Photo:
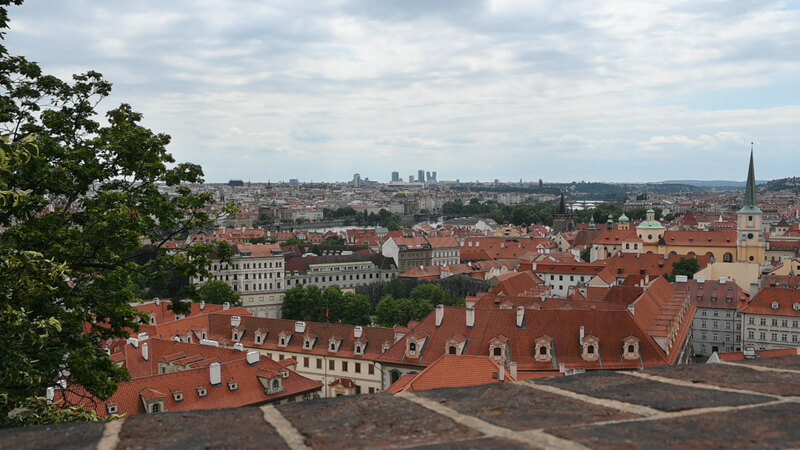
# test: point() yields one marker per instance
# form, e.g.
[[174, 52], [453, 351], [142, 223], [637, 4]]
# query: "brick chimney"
[[470, 317], [520, 316], [439, 315]]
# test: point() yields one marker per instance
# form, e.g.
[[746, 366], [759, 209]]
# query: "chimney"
[[300, 327], [238, 346], [533, 267], [145, 352], [253, 357], [520, 316], [202, 305], [701, 279], [439, 315], [647, 279], [512, 369], [236, 321], [723, 280], [176, 339], [134, 342], [143, 337], [51, 393], [226, 306], [357, 331], [215, 374], [502, 376], [683, 279], [209, 342], [582, 333], [157, 301], [470, 317]]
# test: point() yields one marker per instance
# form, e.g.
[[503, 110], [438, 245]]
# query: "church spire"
[[562, 206], [750, 190]]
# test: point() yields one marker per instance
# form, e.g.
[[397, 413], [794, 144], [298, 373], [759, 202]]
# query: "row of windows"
[[260, 287], [774, 336], [715, 337], [783, 323], [269, 265], [344, 365], [715, 324], [561, 278], [715, 313]]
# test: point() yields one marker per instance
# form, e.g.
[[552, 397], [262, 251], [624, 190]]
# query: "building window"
[[370, 369], [358, 367], [305, 361], [344, 366], [331, 365], [319, 363], [451, 350]]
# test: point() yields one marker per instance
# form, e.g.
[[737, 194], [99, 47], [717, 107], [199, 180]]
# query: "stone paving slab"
[[520, 408], [737, 377], [231, 428], [66, 436], [477, 444], [745, 428], [661, 396], [786, 362], [370, 421]]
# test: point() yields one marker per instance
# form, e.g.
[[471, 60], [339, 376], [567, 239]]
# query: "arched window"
[[543, 350], [394, 375], [631, 348], [412, 346], [452, 350], [498, 351], [590, 350], [727, 257]]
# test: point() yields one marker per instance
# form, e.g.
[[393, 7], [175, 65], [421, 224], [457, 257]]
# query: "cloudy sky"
[[560, 90]]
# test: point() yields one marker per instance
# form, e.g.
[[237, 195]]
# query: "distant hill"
[[713, 183], [781, 184]]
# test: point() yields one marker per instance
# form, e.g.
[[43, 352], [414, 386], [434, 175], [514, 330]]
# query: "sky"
[[476, 90]]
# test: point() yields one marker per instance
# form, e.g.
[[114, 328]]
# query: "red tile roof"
[[701, 238], [774, 301], [563, 327], [452, 371]]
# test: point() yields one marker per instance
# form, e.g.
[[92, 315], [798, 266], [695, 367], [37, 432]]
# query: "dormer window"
[[112, 408], [497, 348], [276, 384], [233, 386], [236, 335], [543, 352], [591, 348], [259, 337], [202, 391], [385, 347], [152, 319], [284, 338], [630, 348], [334, 343], [775, 305], [177, 396], [451, 350]]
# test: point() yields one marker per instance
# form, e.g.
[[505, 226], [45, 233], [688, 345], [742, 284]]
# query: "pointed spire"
[[750, 189], [562, 206]]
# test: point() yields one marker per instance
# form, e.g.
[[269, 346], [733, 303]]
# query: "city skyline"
[[475, 90]]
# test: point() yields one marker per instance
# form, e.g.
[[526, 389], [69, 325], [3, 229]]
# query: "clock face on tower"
[[749, 235]]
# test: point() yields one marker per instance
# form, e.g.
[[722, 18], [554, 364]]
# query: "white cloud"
[[497, 89]]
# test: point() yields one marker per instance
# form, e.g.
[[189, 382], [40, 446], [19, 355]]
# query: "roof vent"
[[226, 306], [209, 342], [238, 346], [299, 327], [253, 357], [357, 331], [236, 321]]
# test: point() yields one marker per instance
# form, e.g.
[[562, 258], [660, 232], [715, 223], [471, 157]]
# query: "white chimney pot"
[[215, 374]]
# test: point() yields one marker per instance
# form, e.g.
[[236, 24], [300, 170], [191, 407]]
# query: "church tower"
[[563, 220], [750, 245]]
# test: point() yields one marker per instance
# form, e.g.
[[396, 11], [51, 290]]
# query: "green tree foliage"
[[329, 305], [422, 299], [351, 216], [540, 213], [79, 202], [217, 292], [292, 241], [686, 266]]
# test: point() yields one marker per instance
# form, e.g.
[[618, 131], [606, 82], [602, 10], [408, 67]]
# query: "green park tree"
[[217, 292], [79, 201]]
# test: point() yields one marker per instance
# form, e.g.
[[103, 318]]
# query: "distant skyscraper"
[[433, 177], [357, 180], [395, 176], [411, 178], [421, 176]]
